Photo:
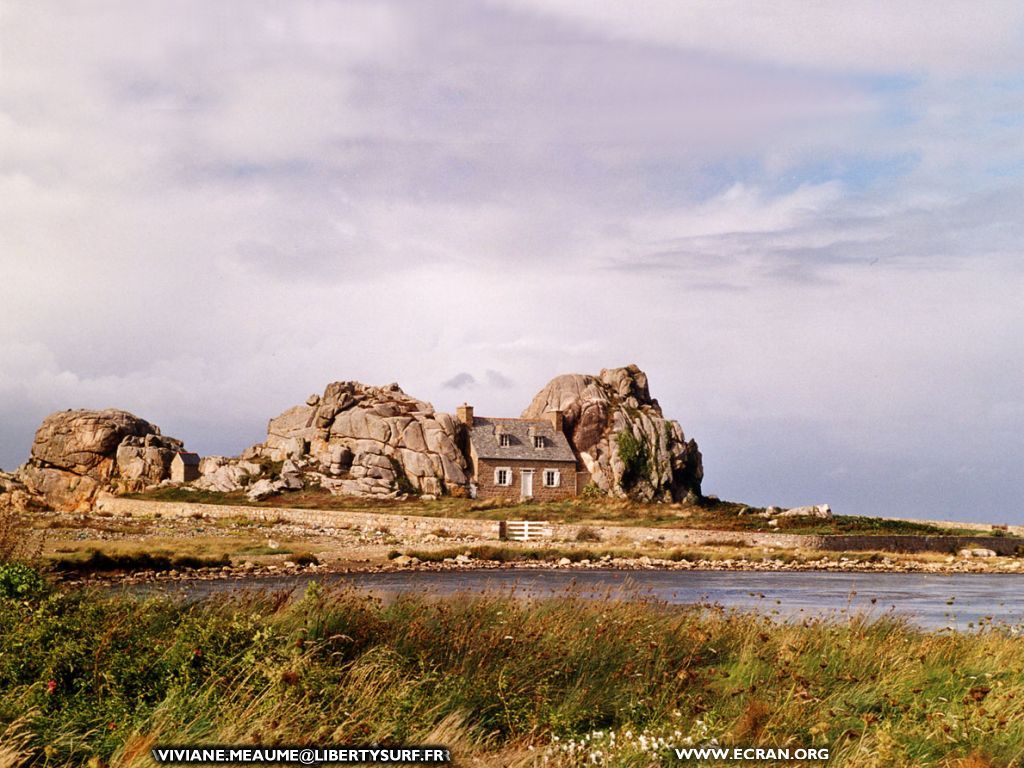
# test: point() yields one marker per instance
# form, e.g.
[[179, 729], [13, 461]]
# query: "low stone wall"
[[399, 525], [416, 525], [680, 537], [1001, 545]]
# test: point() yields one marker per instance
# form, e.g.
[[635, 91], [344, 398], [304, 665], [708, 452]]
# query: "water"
[[933, 601]]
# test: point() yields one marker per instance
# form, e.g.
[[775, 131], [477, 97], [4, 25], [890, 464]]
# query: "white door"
[[527, 488]]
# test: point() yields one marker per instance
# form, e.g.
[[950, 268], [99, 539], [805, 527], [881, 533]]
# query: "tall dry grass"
[[101, 677]]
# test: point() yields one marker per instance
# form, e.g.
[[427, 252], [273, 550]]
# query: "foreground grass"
[[97, 678], [707, 514]]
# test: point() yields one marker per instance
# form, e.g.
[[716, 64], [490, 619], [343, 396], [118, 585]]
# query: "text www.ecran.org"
[[750, 753]]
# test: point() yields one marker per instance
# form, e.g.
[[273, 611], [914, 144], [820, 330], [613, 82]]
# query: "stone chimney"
[[556, 419], [464, 413]]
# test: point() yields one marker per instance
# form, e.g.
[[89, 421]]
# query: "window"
[[538, 441], [505, 440], [503, 476], [552, 478]]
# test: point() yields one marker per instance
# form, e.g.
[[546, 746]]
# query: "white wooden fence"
[[524, 530]]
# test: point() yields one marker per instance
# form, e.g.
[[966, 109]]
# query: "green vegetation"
[[96, 561], [591, 507], [402, 482], [187, 494], [90, 677], [633, 453], [19, 581], [304, 558], [270, 469]]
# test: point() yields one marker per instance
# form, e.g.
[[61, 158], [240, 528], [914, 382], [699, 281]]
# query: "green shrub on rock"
[[634, 456]]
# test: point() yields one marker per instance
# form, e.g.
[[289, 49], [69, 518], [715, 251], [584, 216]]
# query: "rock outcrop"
[[14, 495], [217, 473], [617, 429], [368, 441], [820, 511], [77, 454]]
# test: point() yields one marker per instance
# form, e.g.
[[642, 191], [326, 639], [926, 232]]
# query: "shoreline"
[[261, 573], [159, 542]]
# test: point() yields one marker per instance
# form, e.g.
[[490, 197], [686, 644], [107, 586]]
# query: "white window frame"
[[504, 440], [508, 476], [558, 478], [539, 441]]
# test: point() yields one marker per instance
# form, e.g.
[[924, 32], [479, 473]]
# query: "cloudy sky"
[[803, 220]]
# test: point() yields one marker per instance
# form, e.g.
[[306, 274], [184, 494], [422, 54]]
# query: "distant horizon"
[[232, 447], [801, 221]]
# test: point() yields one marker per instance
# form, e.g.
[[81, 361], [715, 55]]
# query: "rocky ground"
[[244, 549]]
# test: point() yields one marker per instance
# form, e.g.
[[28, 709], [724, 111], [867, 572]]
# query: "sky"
[[802, 220]]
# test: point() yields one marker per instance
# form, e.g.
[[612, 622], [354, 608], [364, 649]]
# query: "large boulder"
[[14, 495], [369, 441], [820, 511], [619, 433], [218, 473], [77, 454]]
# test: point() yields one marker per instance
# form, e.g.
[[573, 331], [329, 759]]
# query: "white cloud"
[[210, 211], [913, 36]]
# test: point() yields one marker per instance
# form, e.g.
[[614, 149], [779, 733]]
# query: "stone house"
[[518, 458], [184, 467]]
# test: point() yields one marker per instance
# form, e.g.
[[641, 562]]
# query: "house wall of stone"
[[486, 488], [184, 473]]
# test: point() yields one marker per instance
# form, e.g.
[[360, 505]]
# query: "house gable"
[[502, 451]]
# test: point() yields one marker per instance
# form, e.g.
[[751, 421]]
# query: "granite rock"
[[78, 454], [369, 441], [621, 436]]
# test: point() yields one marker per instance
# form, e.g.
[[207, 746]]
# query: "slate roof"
[[189, 459], [484, 437]]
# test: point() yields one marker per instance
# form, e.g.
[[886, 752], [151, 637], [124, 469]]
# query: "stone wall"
[[399, 525], [412, 525], [487, 489], [1002, 545], [418, 525]]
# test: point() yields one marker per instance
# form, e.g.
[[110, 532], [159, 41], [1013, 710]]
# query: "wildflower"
[[51, 686]]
